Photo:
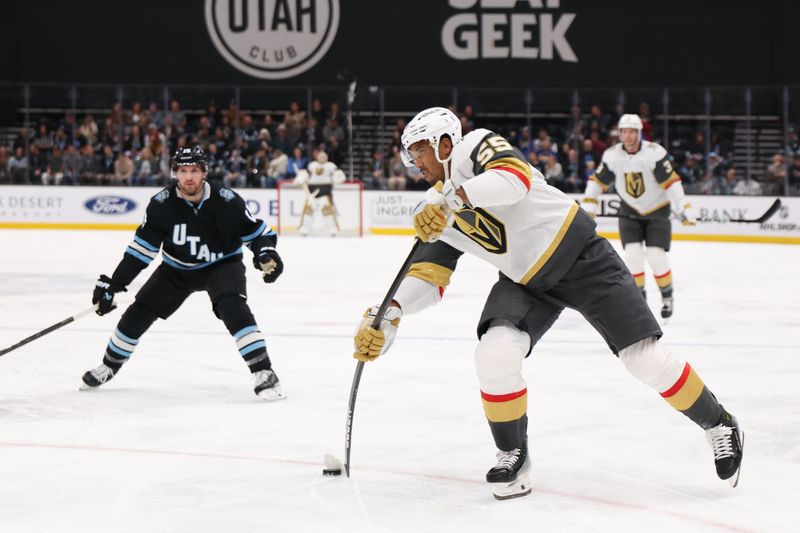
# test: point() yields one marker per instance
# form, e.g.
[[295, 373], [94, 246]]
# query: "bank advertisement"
[[383, 212]]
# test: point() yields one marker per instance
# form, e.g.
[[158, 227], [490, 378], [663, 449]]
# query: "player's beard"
[[195, 189], [431, 178]]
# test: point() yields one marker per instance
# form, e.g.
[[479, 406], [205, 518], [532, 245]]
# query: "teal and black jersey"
[[193, 236]]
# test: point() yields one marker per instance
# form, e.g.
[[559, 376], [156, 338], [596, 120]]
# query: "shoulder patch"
[[227, 194], [162, 196]]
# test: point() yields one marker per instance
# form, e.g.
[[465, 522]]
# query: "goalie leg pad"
[[327, 207], [307, 218], [233, 310], [498, 364], [329, 212]]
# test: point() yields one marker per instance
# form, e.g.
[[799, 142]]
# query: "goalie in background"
[[318, 182]]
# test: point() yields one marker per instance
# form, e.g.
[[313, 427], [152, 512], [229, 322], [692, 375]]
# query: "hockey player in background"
[[200, 229], [318, 181], [489, 202], [648, 186]]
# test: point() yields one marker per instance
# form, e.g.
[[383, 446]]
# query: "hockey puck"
[[332, 466]]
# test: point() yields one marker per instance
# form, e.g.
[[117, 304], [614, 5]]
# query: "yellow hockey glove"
[[687, 216], [429, 223], [369, 342], [430, 218]]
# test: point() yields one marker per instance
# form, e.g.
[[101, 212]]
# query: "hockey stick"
[[776, 205], [376, 323], [52, 328]]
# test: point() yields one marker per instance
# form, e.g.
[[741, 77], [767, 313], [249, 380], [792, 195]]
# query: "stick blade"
[[776, 205]]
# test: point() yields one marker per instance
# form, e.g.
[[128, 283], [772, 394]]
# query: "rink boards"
[[384, 212]]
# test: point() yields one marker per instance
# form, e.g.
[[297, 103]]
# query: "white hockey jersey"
[[322, 174], [528, 230], [641, 179]]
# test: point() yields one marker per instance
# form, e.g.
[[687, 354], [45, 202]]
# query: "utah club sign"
[[272, 39]]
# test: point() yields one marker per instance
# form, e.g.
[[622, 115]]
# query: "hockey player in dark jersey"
[[200, 230], [489, 202]]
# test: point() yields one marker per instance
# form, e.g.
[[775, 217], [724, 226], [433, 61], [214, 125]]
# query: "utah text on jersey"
[[193, 236]]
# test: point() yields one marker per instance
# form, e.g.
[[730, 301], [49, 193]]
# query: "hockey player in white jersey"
[[489, 202], [319, 180], [648, 186]]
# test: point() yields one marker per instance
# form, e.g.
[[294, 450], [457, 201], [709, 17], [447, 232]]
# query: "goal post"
[[348, 204]]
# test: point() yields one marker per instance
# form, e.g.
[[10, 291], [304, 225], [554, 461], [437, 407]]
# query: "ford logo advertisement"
[[109, 205]]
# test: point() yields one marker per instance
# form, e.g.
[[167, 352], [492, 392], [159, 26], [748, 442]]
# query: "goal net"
[[347, 201]]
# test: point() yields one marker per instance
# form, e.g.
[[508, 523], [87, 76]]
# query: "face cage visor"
[[174, 170], [409, 155]]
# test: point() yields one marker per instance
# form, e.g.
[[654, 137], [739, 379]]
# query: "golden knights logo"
[[483, 228], [634, 184], [272, 39]]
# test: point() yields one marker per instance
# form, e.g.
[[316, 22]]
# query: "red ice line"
[[592, 499]]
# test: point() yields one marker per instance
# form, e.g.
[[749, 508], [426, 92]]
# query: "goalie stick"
[[776, 205], [52, 328], [376, 323]]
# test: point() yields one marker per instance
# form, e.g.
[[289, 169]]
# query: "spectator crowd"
[[132, 147]]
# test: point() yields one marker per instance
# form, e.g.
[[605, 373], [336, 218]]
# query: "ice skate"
[[666, 309], [268, 386], [96, 377], [509, 478], [727, 442]]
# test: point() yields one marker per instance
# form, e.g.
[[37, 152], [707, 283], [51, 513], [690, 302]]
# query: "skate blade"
[[733, 481], [516, 489], [273, 394]]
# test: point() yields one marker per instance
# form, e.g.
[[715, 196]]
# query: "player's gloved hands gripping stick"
[[687, 215], [371, 342], [432, 214], [269, 263], [103, 295]]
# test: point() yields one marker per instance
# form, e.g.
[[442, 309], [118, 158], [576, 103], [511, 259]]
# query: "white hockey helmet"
[[430, 125], [630, 120]]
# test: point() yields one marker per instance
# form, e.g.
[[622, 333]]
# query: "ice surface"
[[178, 441]]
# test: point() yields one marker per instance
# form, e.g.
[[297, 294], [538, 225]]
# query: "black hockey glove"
[[269, 262], [103, 295]]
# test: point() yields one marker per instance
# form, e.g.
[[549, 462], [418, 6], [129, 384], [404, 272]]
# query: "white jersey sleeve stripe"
[[494, 187]]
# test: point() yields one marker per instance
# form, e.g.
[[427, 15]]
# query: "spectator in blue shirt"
[[298, 161]]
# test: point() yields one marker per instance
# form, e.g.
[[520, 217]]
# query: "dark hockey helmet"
[[189, 157]]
